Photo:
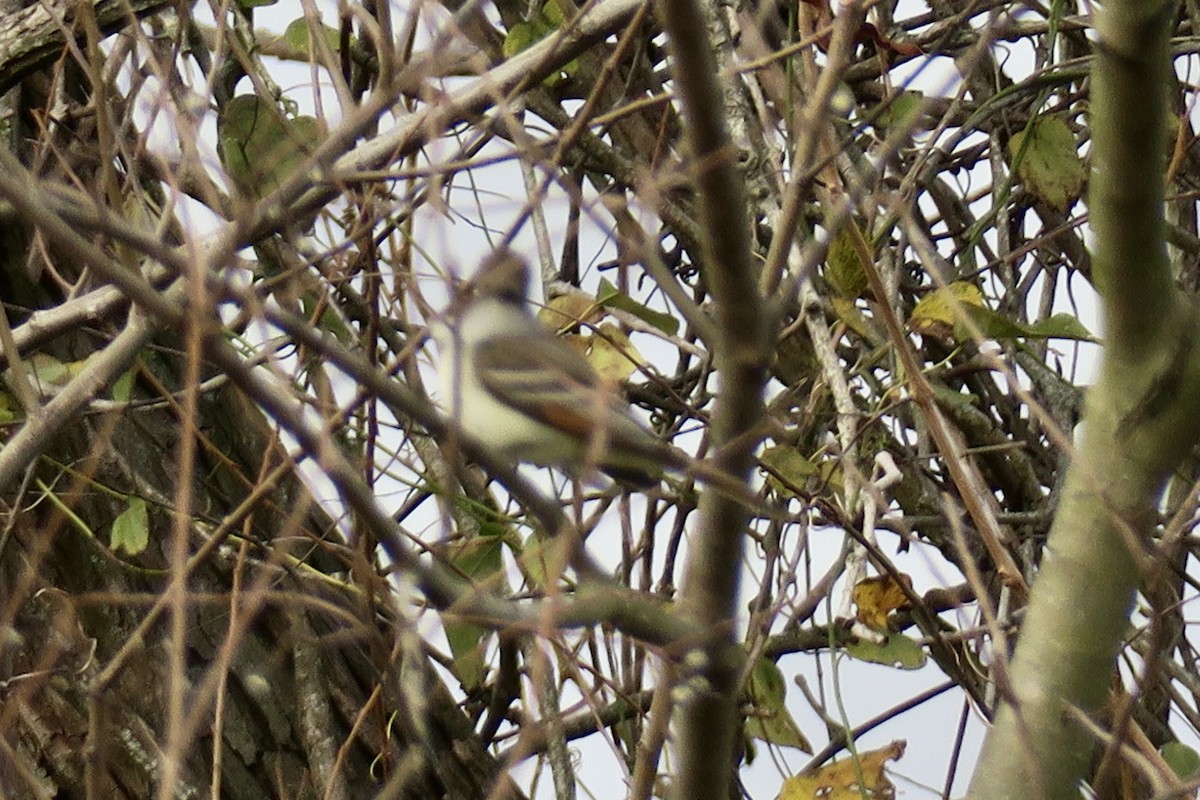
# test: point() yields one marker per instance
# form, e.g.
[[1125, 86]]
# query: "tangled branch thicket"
[[243, 555]]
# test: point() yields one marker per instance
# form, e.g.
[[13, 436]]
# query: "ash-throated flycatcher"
[[524, 392]]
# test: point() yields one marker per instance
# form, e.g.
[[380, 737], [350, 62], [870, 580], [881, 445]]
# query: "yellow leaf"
[[879, 596], [579, 342], [936, 313], [612, 355], [563, 314], [849, 779]]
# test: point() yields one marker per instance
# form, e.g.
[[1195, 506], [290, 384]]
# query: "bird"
[[518, 389]]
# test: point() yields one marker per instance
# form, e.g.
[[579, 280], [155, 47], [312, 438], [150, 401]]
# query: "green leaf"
[[769, 719], [10, 409], [796, 469], [611, 297], [1183, 760], [625, 729], [795, 359], [1059, 326], [539, 562], [478, 558], [843, 268], [954, 400], [47, 373], [330, 321], [260, 147], [1047, 160], [902, 111], [131, 528], [896, 651], [122, 390], [553, 14], [468, 644], [848, 313], [298, 36], [994, 325], [523, 35]]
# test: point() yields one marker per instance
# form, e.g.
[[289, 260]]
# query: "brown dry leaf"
[[849, 779], [879, 596], [866, 33]]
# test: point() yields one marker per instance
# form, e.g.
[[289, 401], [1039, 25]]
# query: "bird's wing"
[[544, 378]]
